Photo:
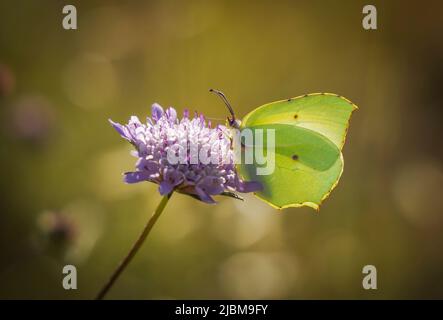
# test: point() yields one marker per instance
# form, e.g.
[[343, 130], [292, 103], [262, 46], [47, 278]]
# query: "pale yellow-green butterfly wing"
[[310, 131]]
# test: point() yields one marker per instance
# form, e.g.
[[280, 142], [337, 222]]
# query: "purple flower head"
[[187, 155]]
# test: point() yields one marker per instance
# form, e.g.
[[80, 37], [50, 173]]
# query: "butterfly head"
[[234, 123]]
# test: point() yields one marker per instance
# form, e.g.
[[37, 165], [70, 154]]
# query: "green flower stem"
[[161, 206]]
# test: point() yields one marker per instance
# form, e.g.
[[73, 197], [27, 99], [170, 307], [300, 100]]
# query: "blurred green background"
[[63, 200]]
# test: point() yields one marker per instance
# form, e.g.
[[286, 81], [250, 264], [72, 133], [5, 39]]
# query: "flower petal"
[[157, 111], [165, 188], [134, 177], [174, 177], [249, 186], [211, 185], [122, 130], [171, 114], [148, 166], [204, 196]]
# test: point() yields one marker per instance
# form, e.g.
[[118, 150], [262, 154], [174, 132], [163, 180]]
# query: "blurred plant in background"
[[69, 234], [31, 120], [57, 87], [7, 81]]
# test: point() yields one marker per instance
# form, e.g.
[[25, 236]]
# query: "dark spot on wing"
[[294, 157], [295, 116]]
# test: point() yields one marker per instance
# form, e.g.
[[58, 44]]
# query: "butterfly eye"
[[294, 157], [295, 116]]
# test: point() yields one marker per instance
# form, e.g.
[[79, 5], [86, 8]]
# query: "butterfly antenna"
[[225, 100]]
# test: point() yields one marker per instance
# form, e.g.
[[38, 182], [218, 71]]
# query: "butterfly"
[[309, 133]]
